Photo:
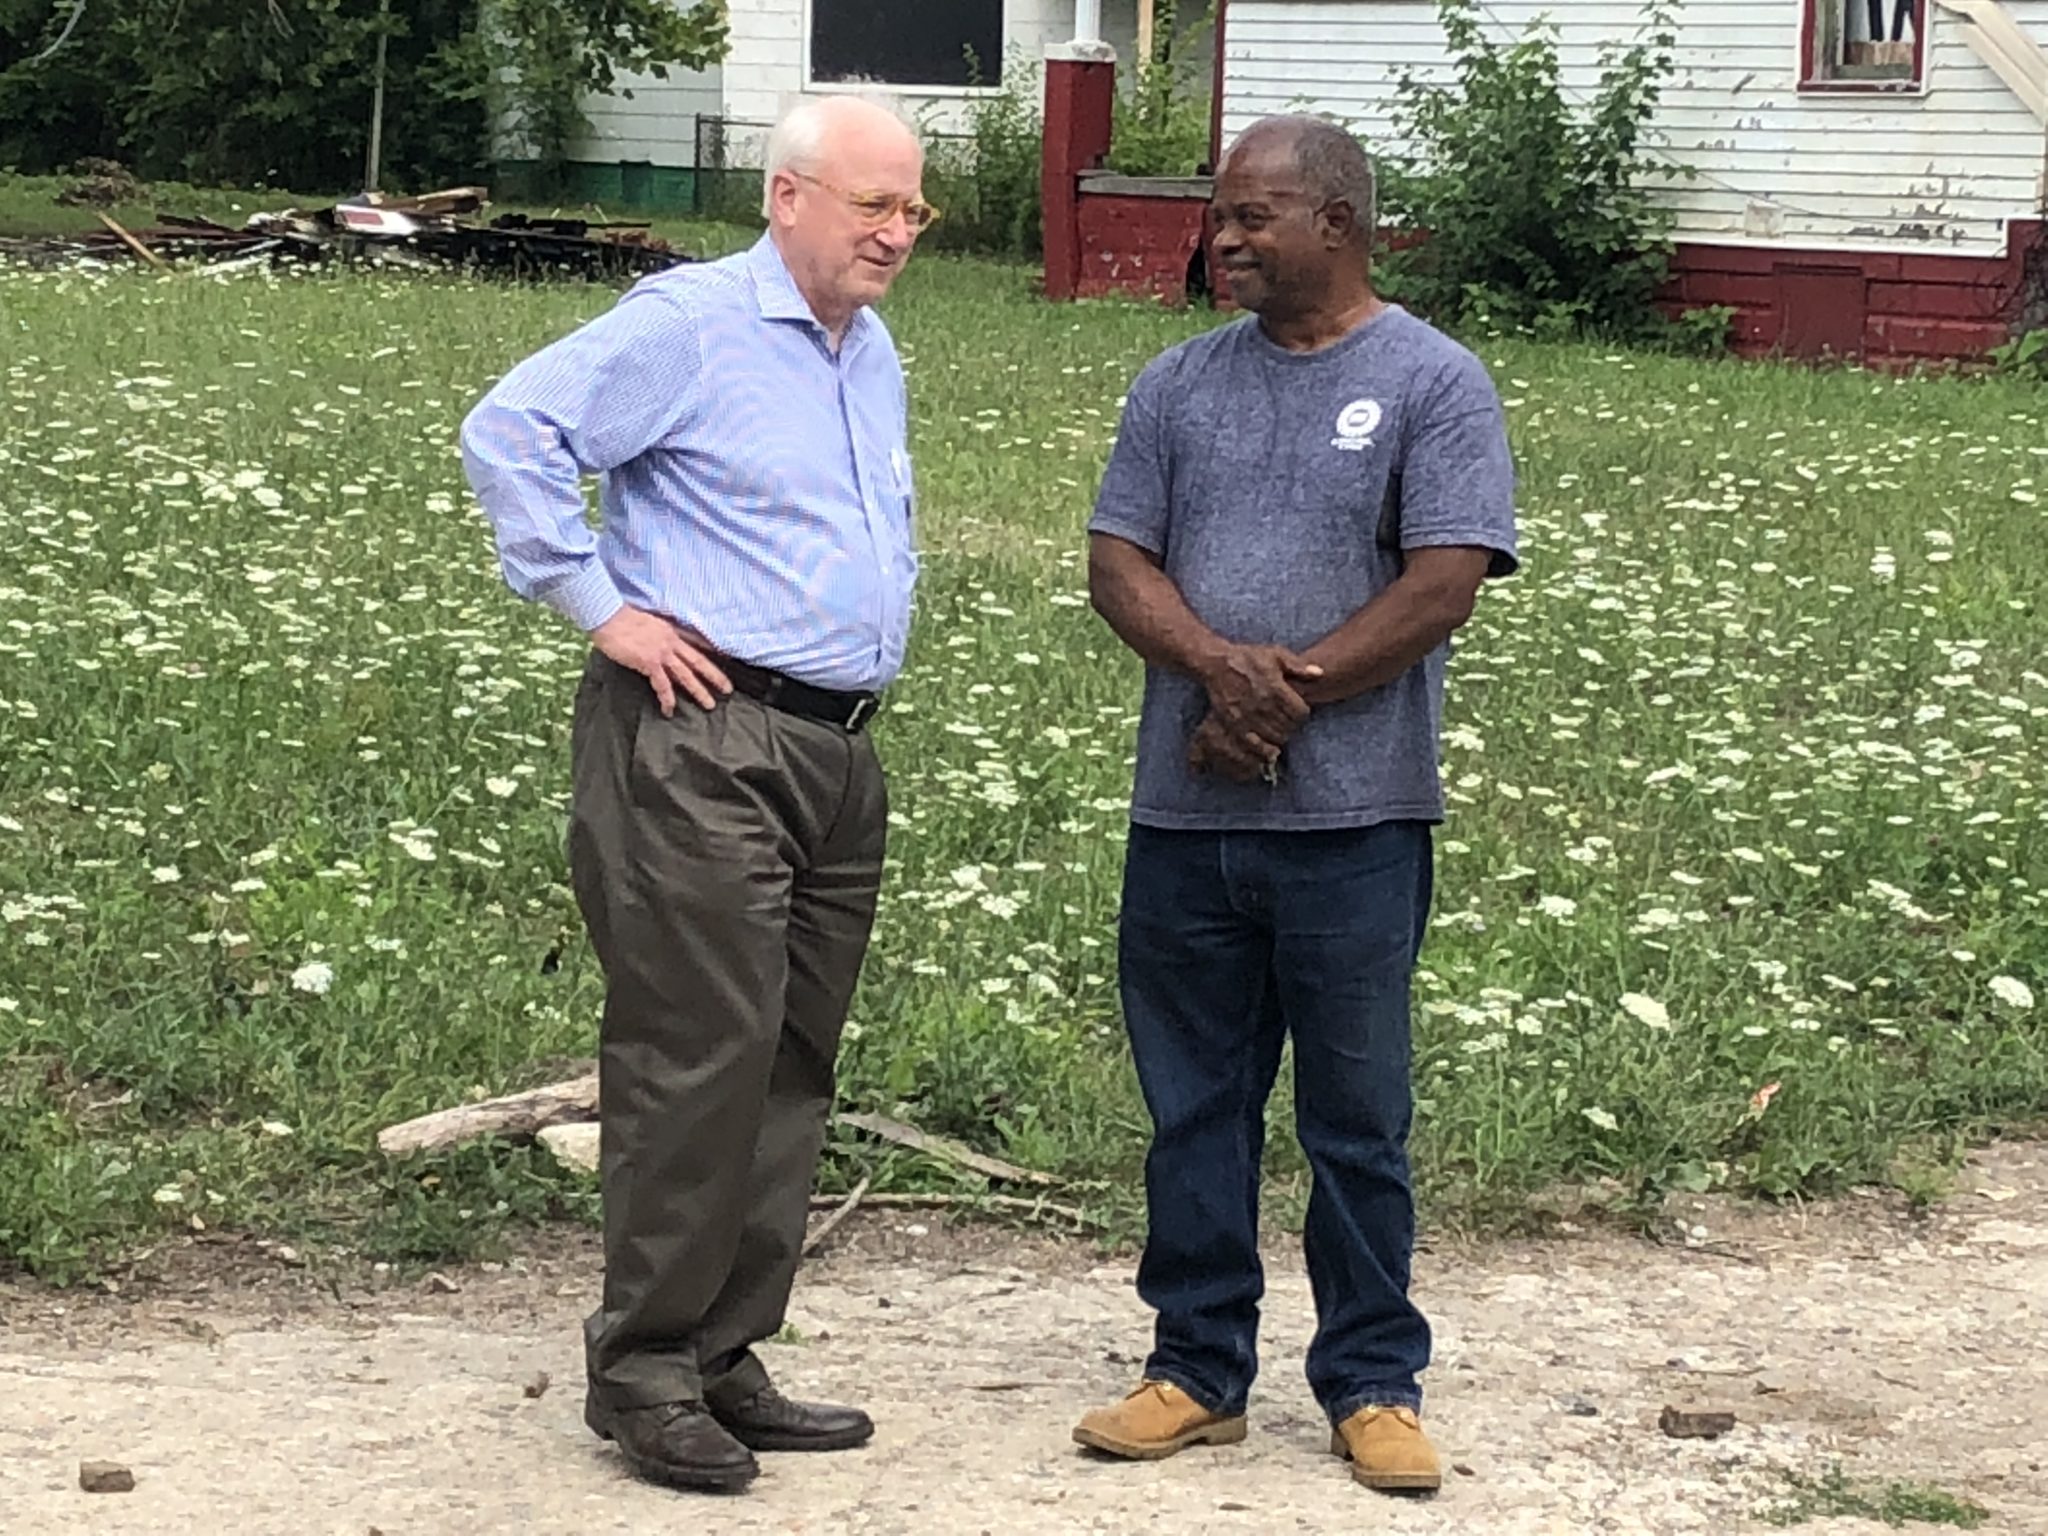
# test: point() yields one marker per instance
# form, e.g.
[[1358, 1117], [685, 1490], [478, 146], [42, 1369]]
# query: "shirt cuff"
[[588, 599]]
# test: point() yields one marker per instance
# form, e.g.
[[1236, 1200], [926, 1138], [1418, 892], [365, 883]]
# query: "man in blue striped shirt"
[[747, 595]]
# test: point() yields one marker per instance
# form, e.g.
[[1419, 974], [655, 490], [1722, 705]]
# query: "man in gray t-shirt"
[[1299, 511]]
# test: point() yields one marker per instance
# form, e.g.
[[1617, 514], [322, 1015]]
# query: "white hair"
[[798, 141]]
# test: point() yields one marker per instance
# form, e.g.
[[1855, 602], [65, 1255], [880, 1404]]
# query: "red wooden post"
[[1080, 93]]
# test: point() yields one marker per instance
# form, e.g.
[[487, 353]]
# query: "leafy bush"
[[2024, 357], [987, 182], [1162, 112], [1534, 211]]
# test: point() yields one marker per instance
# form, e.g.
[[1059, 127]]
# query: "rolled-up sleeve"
[[596, 399]]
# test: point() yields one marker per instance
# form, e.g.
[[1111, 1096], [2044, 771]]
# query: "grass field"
[[1747, 773]]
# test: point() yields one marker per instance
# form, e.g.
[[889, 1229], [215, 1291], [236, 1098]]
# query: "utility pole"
[[376, 154]]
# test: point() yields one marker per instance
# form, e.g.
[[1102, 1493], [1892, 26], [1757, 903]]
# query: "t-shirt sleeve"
[[1132, 503], [1458, 476]]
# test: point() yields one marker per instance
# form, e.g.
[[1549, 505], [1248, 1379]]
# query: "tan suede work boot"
[[1154, 1422], [1388, 1451]]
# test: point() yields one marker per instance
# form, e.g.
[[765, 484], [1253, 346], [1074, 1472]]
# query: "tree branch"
[[77, 11]]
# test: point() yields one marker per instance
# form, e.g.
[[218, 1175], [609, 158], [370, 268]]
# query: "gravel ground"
[[244, 1393]]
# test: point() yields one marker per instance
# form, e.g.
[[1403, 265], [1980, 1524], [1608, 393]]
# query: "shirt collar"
[[780, 298]]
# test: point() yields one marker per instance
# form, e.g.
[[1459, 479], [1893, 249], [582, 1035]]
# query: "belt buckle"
[[863, 711]]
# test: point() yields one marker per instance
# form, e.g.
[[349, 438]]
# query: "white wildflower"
[[2012, 992], [315, 976], [1645, 1010]]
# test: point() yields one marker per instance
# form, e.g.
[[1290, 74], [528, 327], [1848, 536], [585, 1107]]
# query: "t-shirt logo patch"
[[1356, 424]]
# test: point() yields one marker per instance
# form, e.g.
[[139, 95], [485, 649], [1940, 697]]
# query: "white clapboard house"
[[649, 137], [1871, 174]]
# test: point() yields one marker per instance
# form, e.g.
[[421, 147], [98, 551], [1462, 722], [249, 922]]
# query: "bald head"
[[1331, 166], [843, 194], [821, 128]]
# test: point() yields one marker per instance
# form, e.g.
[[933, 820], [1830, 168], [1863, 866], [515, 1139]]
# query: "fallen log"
[[519, 1115], [575, 1145]]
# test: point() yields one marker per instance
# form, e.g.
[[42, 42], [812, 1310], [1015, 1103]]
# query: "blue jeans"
[[1228, 943]]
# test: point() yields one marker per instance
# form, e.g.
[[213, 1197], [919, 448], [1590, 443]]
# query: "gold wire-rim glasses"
[[878, 208]]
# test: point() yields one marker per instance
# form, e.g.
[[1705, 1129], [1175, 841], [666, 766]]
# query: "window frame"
[[816, 87], [1813, 81]]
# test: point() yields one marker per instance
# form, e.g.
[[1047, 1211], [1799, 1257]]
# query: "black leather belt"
[[849, 712]]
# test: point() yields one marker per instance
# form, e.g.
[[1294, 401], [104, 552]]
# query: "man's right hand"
[[1251, 690], [1212, 749], [664, 655]]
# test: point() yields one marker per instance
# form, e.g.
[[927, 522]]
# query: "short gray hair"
[[797, 142], [1334, 166]]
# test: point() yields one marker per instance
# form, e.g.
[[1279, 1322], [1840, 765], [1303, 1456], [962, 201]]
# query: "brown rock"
[[1690, 1424], [538, 1385], [105, 1477]]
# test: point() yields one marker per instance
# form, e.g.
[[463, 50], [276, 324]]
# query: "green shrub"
[[1535, 210], [1162, 109]]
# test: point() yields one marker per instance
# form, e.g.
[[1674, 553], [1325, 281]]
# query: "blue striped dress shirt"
[[755, 486]]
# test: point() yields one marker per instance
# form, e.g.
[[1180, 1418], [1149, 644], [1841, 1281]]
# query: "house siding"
[[1945, 169]]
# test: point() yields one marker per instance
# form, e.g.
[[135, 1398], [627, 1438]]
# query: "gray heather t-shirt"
[[1261, 479]]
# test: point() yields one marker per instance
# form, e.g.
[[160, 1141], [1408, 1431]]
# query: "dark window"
[[907, 42]]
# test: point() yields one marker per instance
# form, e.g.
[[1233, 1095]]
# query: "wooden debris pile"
[[440, 231]]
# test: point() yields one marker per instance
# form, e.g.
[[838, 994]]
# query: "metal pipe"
[[1087, 21]]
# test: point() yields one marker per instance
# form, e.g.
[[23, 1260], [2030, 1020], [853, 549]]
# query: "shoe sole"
[[844, 1440], [1222, 1432], [1386, 1482], [671, 1476]]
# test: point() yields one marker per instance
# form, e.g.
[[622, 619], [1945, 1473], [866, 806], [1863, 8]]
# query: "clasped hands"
[[1254, 708]]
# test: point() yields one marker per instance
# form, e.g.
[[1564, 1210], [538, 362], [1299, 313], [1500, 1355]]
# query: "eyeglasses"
[[877, 208]]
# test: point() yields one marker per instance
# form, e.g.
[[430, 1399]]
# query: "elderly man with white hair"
[[747, 598]]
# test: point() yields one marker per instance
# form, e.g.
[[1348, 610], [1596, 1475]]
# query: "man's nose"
[[896, 235]]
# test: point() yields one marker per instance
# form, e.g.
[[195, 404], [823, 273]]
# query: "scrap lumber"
[[130, 241], [1014, 1204], [939, 1146]]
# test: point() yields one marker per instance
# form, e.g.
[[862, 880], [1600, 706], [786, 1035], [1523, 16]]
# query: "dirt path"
[[248, 1401]]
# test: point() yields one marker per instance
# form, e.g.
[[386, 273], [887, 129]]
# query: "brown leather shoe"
[[1388, 1451], [1155, 1421], [676, 1444], [768, 1421]]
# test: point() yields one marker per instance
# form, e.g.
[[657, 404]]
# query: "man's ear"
[[782, 197], [1336, 223]]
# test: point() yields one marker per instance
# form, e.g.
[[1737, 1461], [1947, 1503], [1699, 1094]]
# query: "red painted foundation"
[[1138, 244], [1883, 308]]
